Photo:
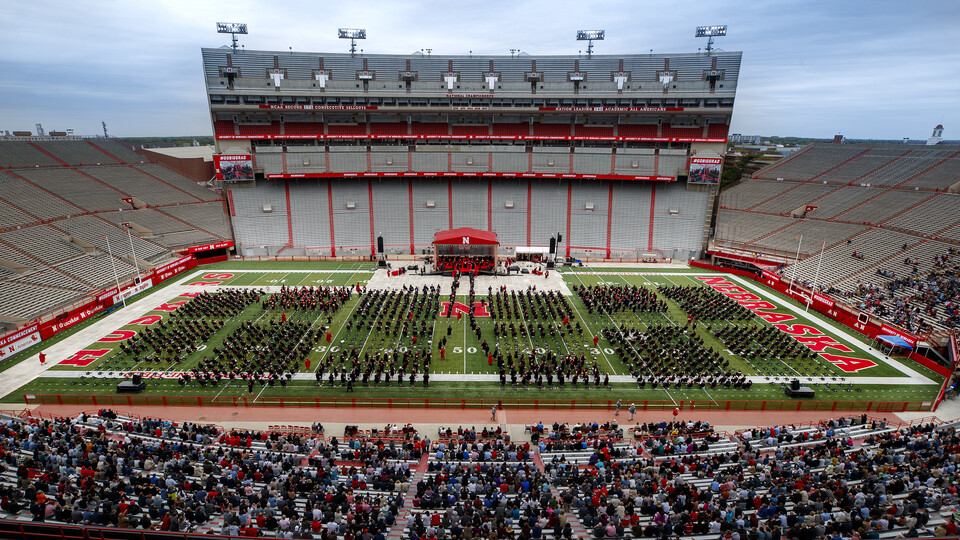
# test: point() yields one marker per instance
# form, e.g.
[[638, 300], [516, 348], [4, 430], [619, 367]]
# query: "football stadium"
[[477, 296]]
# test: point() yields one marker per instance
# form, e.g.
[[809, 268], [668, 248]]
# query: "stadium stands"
[[74, 152], [16, 154], [585, 480], [51, 244], [904, 194]]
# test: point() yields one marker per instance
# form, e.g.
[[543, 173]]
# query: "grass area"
[[463, 351]]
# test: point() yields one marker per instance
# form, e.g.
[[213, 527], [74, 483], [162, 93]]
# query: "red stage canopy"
[[466, 236]]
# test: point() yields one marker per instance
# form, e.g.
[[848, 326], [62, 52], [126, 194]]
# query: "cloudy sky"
[[868, 69]]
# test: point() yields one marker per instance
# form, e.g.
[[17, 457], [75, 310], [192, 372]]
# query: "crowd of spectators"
[[913, 300], [774, 483]]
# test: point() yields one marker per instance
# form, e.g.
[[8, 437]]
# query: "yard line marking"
[[602, 352]]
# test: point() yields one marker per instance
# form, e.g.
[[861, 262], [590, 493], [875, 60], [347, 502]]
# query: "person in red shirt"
[[43, 358]]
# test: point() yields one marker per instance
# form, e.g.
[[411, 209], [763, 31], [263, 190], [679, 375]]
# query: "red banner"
[[611, 109], [16, 336], [208, 247], [169, 270], [471, 175], [823, 299], [478, 138], [70, 319], [321, 107], [107, 294]]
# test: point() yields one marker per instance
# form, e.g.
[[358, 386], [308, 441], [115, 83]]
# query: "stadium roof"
[[466, 235]]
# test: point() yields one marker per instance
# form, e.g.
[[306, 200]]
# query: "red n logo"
[[479, 309], [84, 357]]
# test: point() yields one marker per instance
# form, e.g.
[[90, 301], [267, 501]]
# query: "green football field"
[[465, 371]]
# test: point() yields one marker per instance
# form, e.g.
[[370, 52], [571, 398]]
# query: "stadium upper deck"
[[282, 95]]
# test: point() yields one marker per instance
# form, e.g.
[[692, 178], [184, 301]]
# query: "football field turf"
[[466, 371]]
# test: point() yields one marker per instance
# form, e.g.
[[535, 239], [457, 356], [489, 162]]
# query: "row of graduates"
[[222, 304], [619, 298], [169, 341], [514, 330], [668, 355], [529, 305], [274, 349], [394, 311], [348, 368], [326, 299], [704, 303], [761, 342]]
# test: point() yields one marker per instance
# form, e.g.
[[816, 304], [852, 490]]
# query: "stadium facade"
[[324, 152]]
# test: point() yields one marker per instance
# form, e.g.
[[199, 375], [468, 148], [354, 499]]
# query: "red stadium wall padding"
[[211, 260]]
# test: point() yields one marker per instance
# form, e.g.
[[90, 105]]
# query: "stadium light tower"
[[353, 34], [233, 29], [589, 36], [711, 32]]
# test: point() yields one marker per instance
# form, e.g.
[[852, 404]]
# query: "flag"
[[810, 208]]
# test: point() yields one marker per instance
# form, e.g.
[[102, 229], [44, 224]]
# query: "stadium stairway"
[[775, 231], [190, 225], [904, 211], [928, 169], [171, 186], [783, 162], [44, 266], [864, 203], [101, 182], [51, 156], [399, 526], [881, 167], [48, 192], [118, 160], [830, 170], [775, 197], [579, 531]]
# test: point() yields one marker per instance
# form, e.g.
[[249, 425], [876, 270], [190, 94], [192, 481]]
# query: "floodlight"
[[590, 36], [711, 32], [716, 31], [353, 34], [233, 29], [585, 35]]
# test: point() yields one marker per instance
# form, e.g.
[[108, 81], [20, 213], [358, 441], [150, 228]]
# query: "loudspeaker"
[[553, 245], [559, 238], [795, 384], [380, 244], [137, 379]]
